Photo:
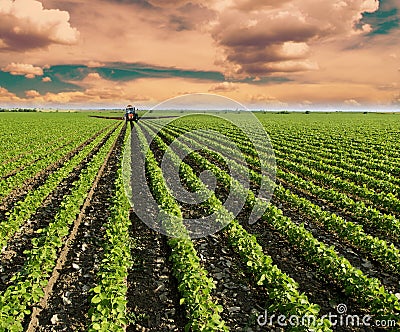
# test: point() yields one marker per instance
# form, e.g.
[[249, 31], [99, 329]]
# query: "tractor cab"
[[131, 114]]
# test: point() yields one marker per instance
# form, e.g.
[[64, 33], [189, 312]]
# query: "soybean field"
[[323, 254]]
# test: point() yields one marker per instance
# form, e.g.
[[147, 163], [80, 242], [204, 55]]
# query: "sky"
[[265, 54]]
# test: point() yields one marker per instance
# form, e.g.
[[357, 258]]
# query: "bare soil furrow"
[[153, 297]]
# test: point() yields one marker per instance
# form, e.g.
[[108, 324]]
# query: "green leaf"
[[97, 289], [96, 299], [96, 326]]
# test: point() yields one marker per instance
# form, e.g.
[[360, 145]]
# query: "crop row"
[[27, 287], [379, 166], [17, 180], [346, 167], [352, 144], [375, 161], [18, 141], [29, 158], [108, 311], [344, 157], [316, 156], [356, 177], [366, 215], [385, 199], [387, 255]]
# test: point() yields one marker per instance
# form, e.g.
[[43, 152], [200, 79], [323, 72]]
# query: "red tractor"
[[131, 114]]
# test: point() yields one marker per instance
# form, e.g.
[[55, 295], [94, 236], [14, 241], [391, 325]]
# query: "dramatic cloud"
[[28, 70], [178, 15], [275, 38], [161, 3], [25, 24], [262, 52]]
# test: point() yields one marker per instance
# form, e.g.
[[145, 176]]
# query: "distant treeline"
[[18, 110]]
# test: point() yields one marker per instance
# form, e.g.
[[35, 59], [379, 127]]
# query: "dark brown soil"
[[153, 299]]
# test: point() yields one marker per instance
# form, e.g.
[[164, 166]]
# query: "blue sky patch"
[[65, 78], [18, 84], [385, 19]]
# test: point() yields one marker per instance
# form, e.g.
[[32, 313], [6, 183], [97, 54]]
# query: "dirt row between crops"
[[357, 258], [153, 299], [13, 258], [241, 299], [353, 196]]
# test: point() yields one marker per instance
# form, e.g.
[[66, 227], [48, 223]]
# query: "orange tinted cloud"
[[224, 87], [28, 70], [249, 5], [264, 37], [289, 51], [7, 96], [25, 24], [32, 93]]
